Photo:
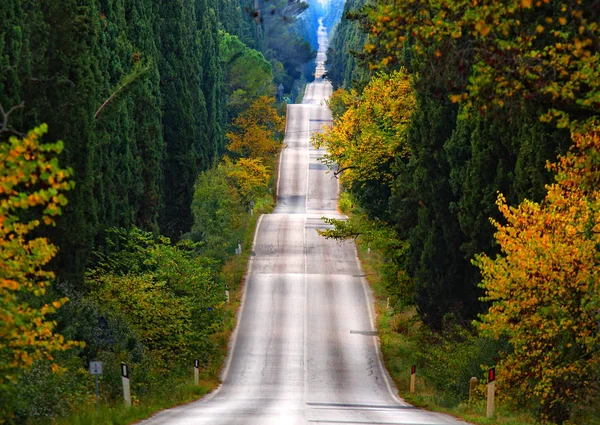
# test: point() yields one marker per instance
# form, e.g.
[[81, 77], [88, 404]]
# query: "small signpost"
[[196, 372], [491, 390], [126, 385], [96, 370], [413, 377], [472, 386]]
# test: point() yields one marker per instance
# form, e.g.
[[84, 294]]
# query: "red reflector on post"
[[413, 369], [492, 374]]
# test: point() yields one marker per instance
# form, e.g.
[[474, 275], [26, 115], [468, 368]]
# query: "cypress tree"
[[348, 39], [12, 42], [64, 89], [231, 17], [185, 116], [434, 261], [212, 79], [145, 103]]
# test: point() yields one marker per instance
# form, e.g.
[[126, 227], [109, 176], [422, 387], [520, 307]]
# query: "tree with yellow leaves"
[[371, 132], [249, 176], [544, 289], [32, 187], [254, 132], [499, 53]]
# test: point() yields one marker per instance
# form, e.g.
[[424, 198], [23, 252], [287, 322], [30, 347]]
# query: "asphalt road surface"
[[304, 350]]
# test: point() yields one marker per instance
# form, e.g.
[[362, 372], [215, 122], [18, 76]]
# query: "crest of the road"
[[304, 350]]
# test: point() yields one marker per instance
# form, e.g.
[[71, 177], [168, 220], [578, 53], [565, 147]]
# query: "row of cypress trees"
[[136, 91], [346, 44], [444, 193]]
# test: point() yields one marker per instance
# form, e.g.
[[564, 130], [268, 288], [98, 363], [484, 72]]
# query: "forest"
[[135, 122], [466, 136]]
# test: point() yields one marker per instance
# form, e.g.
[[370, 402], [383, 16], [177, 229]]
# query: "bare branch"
[[138, 71], [341, 170], [5, 116], [107, 101]]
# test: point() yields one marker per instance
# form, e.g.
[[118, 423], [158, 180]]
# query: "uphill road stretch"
[[305, 350]]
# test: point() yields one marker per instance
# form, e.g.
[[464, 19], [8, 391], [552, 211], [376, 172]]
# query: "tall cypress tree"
[[434, 260], [231, 15], [184, 113], [145, 104], [348, 38], [13, 41], [212, 77], [63, 89]]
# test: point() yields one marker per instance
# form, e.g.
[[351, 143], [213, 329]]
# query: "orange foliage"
[[30, 178], [544, 289], [254, 131]]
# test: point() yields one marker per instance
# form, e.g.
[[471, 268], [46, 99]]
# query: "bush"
[[345, 203], [451, 358]]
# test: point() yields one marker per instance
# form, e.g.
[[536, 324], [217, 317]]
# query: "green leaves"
[[371, 131], [248, 74], [162, 292]]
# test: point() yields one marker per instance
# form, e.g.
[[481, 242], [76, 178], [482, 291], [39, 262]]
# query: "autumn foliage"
[[544, 289], [249, 176], [372, 130], [224, 194], [496, 53], [32, 187], [254, 131]]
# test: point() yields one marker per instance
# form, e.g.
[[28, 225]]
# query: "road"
[[304, 350]]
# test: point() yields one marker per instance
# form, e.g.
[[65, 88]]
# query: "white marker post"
[[413, 378], [196, 372], [472, 386], [227, 293], [96, 370], [491, 392], [239, 246], [126, 386]]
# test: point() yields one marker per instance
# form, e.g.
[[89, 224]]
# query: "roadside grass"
[[398, 330], [182, 393]]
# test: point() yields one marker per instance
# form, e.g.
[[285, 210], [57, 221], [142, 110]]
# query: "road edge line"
[[234, 336], [368, 299], [283, 147]]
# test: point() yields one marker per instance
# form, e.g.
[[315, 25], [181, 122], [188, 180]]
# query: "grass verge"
[[397, 332]]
